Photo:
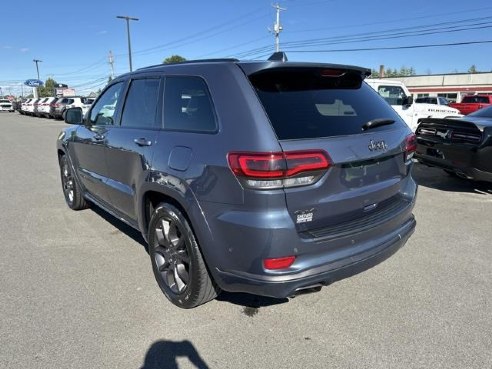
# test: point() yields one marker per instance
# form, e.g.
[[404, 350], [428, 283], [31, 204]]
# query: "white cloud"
[[24, 50], [7, 47], [103, 32]]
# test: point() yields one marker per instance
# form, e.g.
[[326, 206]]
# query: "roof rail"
[[196, 61]]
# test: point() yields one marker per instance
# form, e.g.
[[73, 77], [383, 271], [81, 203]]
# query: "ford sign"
[[33, 83]]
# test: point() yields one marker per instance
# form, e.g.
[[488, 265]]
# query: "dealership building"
[[451, 86]]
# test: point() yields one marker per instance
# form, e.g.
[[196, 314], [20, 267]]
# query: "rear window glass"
[[483, 113], [311, 103], [476, 99]]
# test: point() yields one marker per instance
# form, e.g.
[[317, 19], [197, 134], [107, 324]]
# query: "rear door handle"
[[142, 141]]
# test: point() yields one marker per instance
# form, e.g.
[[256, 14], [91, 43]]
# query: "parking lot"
[[77, 290]]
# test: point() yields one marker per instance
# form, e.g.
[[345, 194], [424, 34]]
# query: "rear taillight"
[[466, 137], [410, 146], [280, 169], [278, 263]]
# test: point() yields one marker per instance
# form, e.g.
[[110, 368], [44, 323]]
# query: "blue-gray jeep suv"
[[266, 177]]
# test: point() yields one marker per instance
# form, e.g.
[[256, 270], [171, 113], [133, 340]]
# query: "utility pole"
[[277, 28], [128, 19], [111, 62], [36, 89], [37, 68]]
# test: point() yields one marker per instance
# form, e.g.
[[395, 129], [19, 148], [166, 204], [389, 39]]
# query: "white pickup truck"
[[398, 96]]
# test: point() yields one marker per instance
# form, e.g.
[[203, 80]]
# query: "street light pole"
[[128, 19], [37, 68]]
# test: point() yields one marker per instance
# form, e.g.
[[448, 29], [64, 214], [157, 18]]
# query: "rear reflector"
[[410, 146], [278, 263], [279, 169]]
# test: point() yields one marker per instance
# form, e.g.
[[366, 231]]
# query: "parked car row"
[[54, 107]]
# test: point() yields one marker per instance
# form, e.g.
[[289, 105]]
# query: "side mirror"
[[73, 116], [407, 101]]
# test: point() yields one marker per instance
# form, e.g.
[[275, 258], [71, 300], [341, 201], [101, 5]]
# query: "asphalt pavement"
[[77, 290]]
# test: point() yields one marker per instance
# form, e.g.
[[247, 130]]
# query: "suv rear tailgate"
[[327, 109]]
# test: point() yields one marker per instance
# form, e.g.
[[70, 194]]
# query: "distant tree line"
[[405, 72], [389, 72]]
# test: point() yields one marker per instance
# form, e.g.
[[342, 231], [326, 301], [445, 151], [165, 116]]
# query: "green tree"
[[48, 89], [472, 69], [174, 59], [389, 72]]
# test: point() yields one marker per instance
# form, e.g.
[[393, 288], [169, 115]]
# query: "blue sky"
[[73, 39]]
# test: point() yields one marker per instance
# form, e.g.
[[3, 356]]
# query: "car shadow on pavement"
[[250, 303], [121, 226], [438, 179], [164, 355], [248, 300]]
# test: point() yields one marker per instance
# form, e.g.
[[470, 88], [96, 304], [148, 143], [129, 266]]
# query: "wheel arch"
[[153, 194]]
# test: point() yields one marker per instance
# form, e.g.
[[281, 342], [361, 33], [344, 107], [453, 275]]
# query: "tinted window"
[[187, 105], [308, 104], [141, 103], [103, 111]]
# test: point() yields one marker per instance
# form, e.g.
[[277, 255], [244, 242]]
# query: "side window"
[[188, 106], [103, 111], [394, 95], [141, 104]]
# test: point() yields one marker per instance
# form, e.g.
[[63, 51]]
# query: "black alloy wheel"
[[177, 262], [71, 189]]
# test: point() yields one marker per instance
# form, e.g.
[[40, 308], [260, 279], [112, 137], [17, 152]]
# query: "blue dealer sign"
[[33, 83]]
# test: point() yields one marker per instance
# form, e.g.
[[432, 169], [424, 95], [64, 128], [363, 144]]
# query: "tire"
[[176, 259], [71, 189]]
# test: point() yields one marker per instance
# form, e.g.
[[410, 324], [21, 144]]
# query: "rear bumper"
[[285, 285]]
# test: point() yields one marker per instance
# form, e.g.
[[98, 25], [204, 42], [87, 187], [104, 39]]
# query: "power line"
[[389, 34], [205, 34], [399, 21], [393, 47], [101, 61], [232, 47], [375, 36]]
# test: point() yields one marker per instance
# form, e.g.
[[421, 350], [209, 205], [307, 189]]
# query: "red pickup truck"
[[471, 103]]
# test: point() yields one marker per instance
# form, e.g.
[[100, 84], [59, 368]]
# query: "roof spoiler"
[[278, 56]]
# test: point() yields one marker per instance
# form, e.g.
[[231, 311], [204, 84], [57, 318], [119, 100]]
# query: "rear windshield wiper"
[[377, 123]]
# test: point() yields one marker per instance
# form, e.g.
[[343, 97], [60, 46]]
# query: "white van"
[[398, 96]]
